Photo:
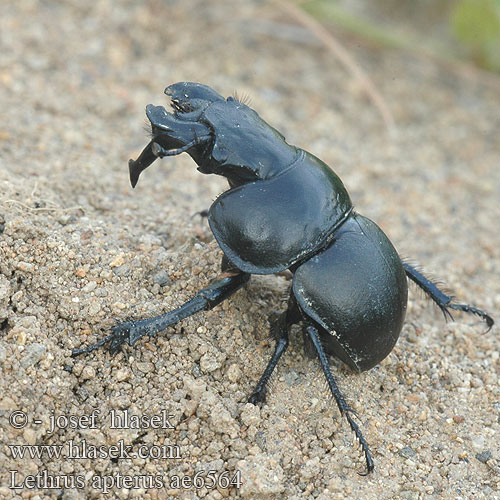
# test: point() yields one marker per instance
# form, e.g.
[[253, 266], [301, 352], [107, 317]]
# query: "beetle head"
[[223, 136], [190, 99], [177, 132]]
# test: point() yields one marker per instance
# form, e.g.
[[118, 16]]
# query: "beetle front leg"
[[344, 408], [443, 301], [132, 331]]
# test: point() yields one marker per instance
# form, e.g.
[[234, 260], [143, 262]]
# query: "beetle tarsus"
[[132, 331], [93, 347], [444, 301], [258, 396], [339, 399], [364, 445], [279, 330], [474, 310]]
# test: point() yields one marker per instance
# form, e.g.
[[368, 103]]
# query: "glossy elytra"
[[285, 209]]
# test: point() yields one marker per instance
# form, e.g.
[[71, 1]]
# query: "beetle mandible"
[[285, 209]]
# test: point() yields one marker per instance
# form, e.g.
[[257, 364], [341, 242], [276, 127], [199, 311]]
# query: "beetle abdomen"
[[266, 226], [357, 291]]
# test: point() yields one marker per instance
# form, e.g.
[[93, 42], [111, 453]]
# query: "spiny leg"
[[279, 330], [344, 408], [444, 301], [208, 298]]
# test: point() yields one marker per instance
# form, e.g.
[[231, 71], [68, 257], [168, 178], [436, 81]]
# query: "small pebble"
[[33, 354]]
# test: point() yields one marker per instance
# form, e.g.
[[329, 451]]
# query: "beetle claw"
[[258, 397], [474, 310]]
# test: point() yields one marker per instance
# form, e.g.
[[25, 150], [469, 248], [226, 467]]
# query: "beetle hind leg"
[[205, 299], [344, 408], [443, 301]]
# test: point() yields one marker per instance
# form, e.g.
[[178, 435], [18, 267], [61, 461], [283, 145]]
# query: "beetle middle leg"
[[205, 299], [443, 301], [279, 330], [344, 408]]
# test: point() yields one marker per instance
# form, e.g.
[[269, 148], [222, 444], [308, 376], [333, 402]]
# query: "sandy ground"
[[80, 250]]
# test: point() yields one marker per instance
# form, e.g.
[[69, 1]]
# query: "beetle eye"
[[230, 98]]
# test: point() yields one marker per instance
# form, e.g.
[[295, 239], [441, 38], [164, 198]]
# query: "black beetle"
[[286, 209]]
